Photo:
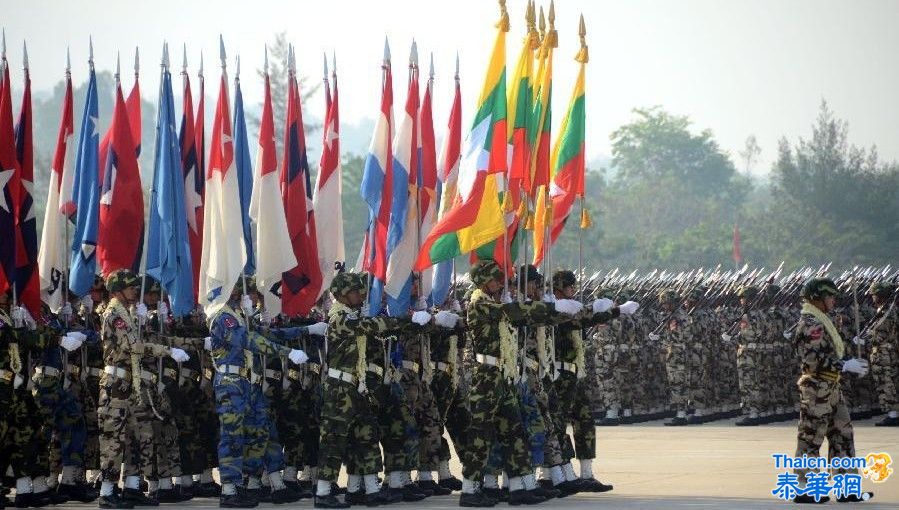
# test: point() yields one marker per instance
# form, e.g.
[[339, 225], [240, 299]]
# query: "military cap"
[[344, 283], [668, 296], [564, 278], [817, 288], [484, 271], [772, 289], [748, 291], [151, 284], [882, 289], [529, 273], [120, 279]]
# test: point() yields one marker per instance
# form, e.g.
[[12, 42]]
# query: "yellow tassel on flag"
[[586, 221]]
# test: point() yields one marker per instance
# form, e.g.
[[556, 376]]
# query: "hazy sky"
[[736, 67]]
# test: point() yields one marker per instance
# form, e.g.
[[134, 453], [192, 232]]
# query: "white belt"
[[531, 364], [146, 375], [48, 371], [410, 365], [93, 371], [114, 371], [486, 359], [375, 369], [751, 345], [341, 375], [272, 373], [442, 366], [568, 367]]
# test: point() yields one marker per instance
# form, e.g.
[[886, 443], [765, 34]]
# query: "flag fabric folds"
[[9, 177], [428, 190], [168, 247], [193, 159], [244, 167], [27, 280]]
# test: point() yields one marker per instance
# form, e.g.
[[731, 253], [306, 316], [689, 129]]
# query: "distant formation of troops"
[[112, 399]]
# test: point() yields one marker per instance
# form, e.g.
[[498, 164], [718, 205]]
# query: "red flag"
[[738, 256], [9, 186], [195, 186], [300, 285], [121, 227], [27, 284]]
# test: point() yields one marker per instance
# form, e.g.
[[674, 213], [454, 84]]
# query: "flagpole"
[[65, 274], [581, 57], [385, 65]]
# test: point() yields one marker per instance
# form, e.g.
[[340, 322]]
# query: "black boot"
[[852, 498], [329, 501], [208, 490], [411, 493], [888, 422], [77, 492], [284, 495], [524, 497], [806, 499], [114, 501], [426, 491], [184, 493], [355, 498], [607, 422], [747, 422], [568, 488], [497, 493], [476, 499], [336, 489], [593, 485], [452, 483], [677, 421], [32, 500], [138, 498], [546, 493], [433, 487], [166, 496], [240, 499]]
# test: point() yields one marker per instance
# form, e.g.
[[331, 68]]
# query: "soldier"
[[750, 359], [823, 411], [242, 413], [120, 384], [884, 335], [676, 336]]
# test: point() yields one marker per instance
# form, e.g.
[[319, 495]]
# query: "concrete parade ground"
[[710, 466]]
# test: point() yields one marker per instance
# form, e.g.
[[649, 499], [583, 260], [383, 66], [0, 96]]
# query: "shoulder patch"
[[119, 323], [230, 322]]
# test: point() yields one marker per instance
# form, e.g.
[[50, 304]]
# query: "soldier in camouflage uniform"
[[676, 337], [120, 398], [698, 358], [823, 412], [242, 412], [885, 352], [753, 330]]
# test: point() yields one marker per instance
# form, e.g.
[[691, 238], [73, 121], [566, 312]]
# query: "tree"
[[750, 153]]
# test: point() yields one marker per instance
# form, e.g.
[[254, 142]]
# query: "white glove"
[[66, 311], [141, 311], [507, 298], [456, 306], [788, 334], [87, 304], [654, 337], [179, 355], [246, 304], [602, 305], [856, 366], [163, 310], [857, 340], [725, 337], [77, 335], [69, 343], [319, 328], [421, 303], [568, 306], [549, 298], [207, 343], [17, 381], [446, 319], [421, 317], [297, 357], [29, 320], [629, 307], [17, 314], [265, 318]]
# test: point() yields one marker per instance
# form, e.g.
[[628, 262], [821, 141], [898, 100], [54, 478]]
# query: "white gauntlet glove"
[[549, 298], [629, 307], [857, 340], [568, 306], [725, 337], [602, 305], [179, 355], [163, 310], [654, 337], [297, 357], [856, 366], [446, 319], [66, 312], [456, 307], [207, 343], [507, 298], [421, 317], [246, 304], [141, 311], [87, 304], [319, 329], [70, 343]]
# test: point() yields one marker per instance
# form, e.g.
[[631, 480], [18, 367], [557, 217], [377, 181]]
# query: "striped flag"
[[27, 280], [9, 183], [244, 167], [193, 163], [476, 217], [428, 194]]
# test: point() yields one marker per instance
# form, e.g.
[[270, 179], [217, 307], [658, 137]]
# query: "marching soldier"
[[885, 352]]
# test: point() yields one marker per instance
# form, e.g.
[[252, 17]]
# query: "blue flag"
[[244, 167], [168, 249], [86, 196]]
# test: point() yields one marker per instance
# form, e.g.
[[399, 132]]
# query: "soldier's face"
[[131, 293], [532, 290], [829, 303], [569, 291], [151, 299], [353, 298], [494, 286]]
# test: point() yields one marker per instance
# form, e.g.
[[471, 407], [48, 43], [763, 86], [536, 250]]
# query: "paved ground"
[[714, 465]]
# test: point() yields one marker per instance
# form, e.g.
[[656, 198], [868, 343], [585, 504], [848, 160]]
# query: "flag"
[[121, 228], [9, 184], [476, 217], [738, 255], [541, 117], [568, 168], [51, 259], [402, 235], [86, 196], [133, 114], [448, 173], [327, 201], [168, 247], [273, 247], [428, 191], [224, 250], [244, 166], [193, 163], [27, 280], [377, 177], [300, 286]]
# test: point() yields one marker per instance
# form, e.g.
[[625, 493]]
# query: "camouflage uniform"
[[452, 410], [885, 357], [676, 337], [750, 359]]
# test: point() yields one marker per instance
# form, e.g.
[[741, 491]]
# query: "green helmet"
[[121, 279], [484, 271], [880, 289], [668, 296], [607, 293], [772, 289], [151, 284], [748, 291], [529, 273], [343, 283], [563, 278], [697, 293], [817, 288]]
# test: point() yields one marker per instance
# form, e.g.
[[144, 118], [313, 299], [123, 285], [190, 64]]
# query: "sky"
[[737, 67]]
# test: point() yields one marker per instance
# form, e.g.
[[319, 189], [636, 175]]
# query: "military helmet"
[[151, 284], [772, 289], [817, 288], [668, 296], [484, 271], [564, 278], [343, 283], [696, 293], [881, 289], [529, 273], [120, 279], [608, 293], [748, 291]]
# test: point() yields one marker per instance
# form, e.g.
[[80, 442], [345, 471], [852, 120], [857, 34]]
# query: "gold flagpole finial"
[[583, 56], [503, 23], [531, 19], [551, 34], [542, 24]]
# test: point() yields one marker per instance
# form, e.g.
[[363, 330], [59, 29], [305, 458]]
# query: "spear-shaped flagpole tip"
[[413, 54], [431, 67], [386, 51], [266, 60], [583, 56], [200, 72], [184, 60], [25, 55], [325, 62], [291, 62], [3, 46], [165, 57], [503, 17], [90, 57], [118, 66], [237, 67], [222, 54], [137, 59], [68, 62], [333, 62], [457, 64]]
